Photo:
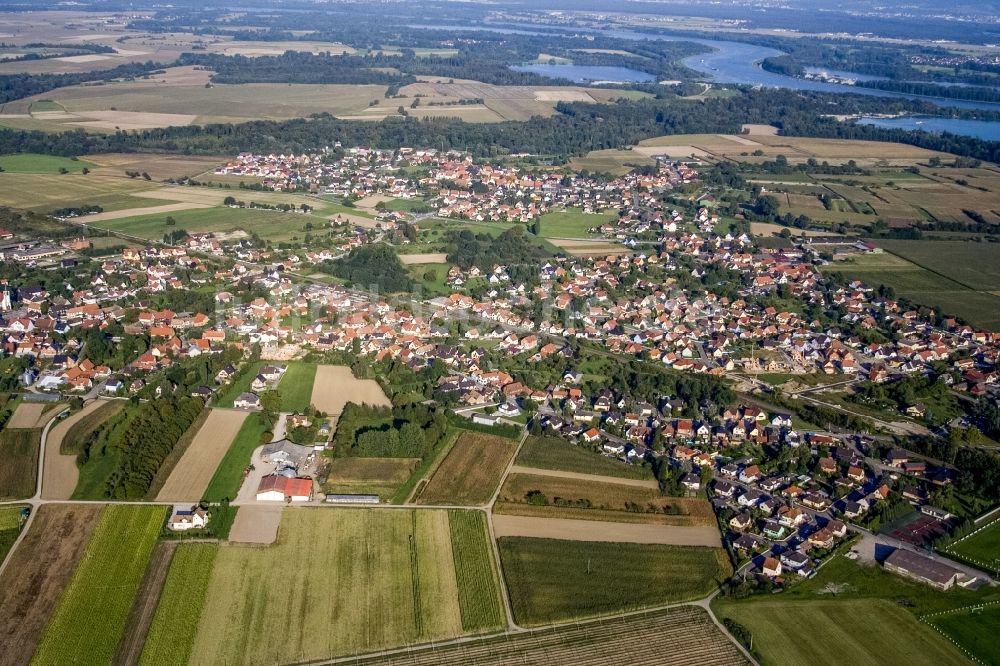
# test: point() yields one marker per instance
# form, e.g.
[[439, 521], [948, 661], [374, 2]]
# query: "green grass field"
[[974, 630], [573, 223], [974, 265], [180, 604], [77, 435], [554, 453], [90, 618], [550, 580], [44, 192], [296, 386], [925, 287], [19, 471], [32, 163], [984, 547], [337, 581], [477, 578], [436, 286], [10, 527], [858, 631], [228, 476], [268, 224]]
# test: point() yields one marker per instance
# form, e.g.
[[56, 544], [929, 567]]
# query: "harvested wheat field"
[[60, 473], [129, 212], [335, 386], [595, 530], [430, 258], [37, 573], [191, 475], [32, 415]]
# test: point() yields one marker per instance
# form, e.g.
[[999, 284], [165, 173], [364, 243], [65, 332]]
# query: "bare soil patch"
[[194, 471], [593, 530], [29, 415], [256, 525], [335, 386], [428, 258], [130, 212], [760, 130], [60, 471], [37, 574], [639, 483]]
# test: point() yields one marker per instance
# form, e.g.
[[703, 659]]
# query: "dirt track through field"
[[594, 530], [335, 386], [38, 572], [194, 471], [256, 524], [141, 616], [597, 478], [131, 212], [60, 474]]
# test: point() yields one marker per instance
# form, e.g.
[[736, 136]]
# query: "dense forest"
[[511, 248], [578, 128], [973, 93], [374, 267]]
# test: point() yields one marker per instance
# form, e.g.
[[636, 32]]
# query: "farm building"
[[278, 488], [922, 569], [337, 498], [285, 453]]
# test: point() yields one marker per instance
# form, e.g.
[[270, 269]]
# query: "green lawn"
[[296, 386], [171, 634], [32, 163], [974, 630], [436, 286], [229, 475], [10, 527], [857, 631], [573, 223], [91, 615], [553, 453], [240, 385], [268, 224], [984, 547], [552, 580]]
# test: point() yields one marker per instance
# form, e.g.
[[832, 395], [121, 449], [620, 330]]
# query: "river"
[[739, 63]]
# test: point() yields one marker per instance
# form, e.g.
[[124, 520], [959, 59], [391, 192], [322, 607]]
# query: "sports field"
[[107, 578], [296, 386], [983, 547], [864, 631], [975, 630], [372, 579], [551, 580], [193, 472], [471, 471]]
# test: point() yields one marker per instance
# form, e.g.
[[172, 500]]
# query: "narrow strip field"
[[144, 605], [180, 605], [682, 636], [336, 582], [296, 386], [225, 483], [61, 474], [192, 474], [106, 579], [638, 483], [478, 585], [595, 530], [551, 580], [19, 470], [471, 471], [37, 574]]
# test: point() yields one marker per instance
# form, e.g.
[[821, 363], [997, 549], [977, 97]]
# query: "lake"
[[989, 131], [587, 73]]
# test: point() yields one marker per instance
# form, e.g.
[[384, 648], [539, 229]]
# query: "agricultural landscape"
[[494, 333]]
